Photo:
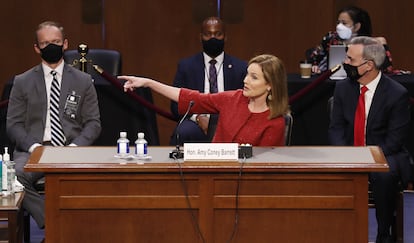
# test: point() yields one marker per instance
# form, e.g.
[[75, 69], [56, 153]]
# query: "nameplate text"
[[211, 151]]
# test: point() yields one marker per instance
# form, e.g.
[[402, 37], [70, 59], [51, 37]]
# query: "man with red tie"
[[369, 108]]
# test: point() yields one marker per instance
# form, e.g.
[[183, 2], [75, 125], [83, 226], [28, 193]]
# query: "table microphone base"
[[177, 154]]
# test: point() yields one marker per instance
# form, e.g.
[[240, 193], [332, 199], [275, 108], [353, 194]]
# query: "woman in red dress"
[[252, 115]]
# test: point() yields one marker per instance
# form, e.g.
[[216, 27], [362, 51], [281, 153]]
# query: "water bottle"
[[6, 159], [123, 144], [1, 172], [4, 174], [141, 146], [11, 175]]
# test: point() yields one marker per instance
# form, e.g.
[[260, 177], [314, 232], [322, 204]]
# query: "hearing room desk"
[[292, 194]]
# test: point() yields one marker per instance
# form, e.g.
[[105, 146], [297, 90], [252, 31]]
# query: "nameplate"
[[211, 151]]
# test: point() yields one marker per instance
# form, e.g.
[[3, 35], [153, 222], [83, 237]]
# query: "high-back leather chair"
[[110, 98], [288, 128], [108, 60]]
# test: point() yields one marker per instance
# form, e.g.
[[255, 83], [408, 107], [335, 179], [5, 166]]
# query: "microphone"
[[177, 153]]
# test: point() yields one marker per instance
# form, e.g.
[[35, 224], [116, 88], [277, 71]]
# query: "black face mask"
[[213, 47], [52, 53], [352, 71]]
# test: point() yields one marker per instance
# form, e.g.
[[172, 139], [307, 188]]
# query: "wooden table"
[[12, 212], [283, 194]]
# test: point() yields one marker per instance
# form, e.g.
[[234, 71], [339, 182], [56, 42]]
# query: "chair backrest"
[[288, 128], [330, 107], [108, 60]]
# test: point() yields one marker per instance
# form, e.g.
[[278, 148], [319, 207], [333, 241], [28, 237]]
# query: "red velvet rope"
[[325, 75], [116, 82], [3, 103]]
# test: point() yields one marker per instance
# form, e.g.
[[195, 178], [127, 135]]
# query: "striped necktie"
[[213, 76], [57, 136]]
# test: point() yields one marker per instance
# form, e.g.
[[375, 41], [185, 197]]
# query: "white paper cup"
[[305, 70]]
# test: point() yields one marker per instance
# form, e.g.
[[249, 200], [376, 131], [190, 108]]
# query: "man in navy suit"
[[386, 123], [194, 73]]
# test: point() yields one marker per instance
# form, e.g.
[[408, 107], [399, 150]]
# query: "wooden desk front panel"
[[133, 207]]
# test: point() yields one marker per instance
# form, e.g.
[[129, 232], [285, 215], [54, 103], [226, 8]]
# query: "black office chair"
[[288, 128], [108, 60]]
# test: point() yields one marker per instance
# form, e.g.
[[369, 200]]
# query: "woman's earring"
[[269, 96]]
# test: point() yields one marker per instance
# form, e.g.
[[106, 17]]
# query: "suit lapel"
[[354, 96], [40, 90], [377, 101], [65, 86], [199, 72], [227, 72]]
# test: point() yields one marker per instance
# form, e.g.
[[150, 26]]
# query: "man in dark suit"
[[29, 115], [385, 122], [195, 73]]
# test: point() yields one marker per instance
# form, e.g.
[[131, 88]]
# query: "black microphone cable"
[[236, 214], [185, 189], [177, 153]]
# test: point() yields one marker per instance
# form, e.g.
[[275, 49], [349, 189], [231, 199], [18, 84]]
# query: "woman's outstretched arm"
[[168, 91]]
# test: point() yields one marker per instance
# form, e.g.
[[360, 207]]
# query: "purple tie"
[[212, 77]]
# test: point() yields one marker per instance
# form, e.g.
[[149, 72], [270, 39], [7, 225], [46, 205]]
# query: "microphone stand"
[[178, 153]]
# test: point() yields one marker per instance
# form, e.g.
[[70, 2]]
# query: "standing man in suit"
[[197, 72], [381, 106], [30, 118]]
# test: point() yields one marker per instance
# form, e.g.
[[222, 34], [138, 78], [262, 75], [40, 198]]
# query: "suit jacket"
[[27, 109], [387, 122], [190, 74]]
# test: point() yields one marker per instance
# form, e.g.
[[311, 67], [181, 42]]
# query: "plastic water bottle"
[[141, 146], [4, 174], [11, 175], [123, 144], [1, 172]]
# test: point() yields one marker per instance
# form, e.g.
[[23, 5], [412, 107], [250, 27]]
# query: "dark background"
[[152, 35]]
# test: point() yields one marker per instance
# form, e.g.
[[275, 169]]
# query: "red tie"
[[359, 123]]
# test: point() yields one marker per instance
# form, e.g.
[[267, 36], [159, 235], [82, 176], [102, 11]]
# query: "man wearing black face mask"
[[209, 71], [50, 104], [371, 109]]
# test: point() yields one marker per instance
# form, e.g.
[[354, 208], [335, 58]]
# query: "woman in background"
[[352, 21], [252, 115]]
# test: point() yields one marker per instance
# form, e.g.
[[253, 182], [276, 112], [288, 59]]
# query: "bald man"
[[195, 73]]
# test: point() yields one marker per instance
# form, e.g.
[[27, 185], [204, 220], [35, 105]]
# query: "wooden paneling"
[[153, 35]]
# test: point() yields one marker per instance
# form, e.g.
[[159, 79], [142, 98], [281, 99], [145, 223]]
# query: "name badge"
[[71, 105], [211, 151]]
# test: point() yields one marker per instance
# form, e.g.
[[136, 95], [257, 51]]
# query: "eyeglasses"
[[43, 44]]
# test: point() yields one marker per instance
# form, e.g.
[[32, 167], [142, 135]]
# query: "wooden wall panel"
[[153, 35], [394, 21]]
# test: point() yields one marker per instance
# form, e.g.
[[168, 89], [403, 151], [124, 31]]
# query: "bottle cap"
[[6, 155], [123, 134], [141, 135]]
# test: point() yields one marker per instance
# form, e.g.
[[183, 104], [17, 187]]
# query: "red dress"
[[236, 123]]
